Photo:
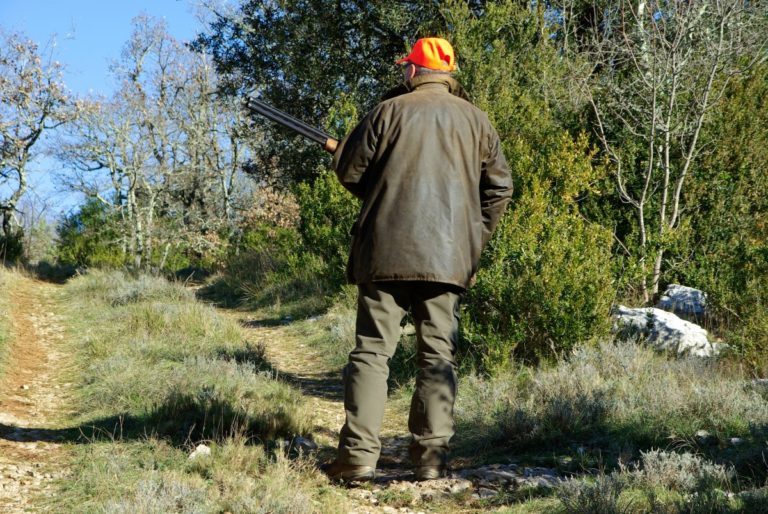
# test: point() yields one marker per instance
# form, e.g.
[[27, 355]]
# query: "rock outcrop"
[[664, 331], [685, 302]]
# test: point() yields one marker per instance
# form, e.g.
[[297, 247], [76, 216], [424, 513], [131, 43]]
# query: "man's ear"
[[410, 71]]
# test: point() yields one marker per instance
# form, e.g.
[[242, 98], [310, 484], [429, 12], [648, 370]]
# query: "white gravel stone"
[[201, 451]]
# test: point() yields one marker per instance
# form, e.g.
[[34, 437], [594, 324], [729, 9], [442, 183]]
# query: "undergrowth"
[[603, 404]]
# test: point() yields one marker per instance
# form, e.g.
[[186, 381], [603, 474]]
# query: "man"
[[430, 171]]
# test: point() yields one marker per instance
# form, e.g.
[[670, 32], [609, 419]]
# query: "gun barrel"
[[285, 119]]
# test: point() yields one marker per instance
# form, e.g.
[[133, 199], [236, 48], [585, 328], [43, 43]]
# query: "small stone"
[[460, 487], [389, 510], [704, 438], [24, 387], [486, 493], [736, 441], [200, 451], [305, 445]]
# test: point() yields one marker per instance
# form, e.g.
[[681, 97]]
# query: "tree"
[[164, 153], [33, 100], [307, 57], [656, 71]]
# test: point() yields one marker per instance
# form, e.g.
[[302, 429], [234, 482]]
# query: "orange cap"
[[432, 52]]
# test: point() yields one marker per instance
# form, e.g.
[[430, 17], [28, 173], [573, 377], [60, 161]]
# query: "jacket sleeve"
[[354, 154], [495, 186]]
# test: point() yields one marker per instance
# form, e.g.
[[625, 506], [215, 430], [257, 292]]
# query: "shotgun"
[[286, 120]]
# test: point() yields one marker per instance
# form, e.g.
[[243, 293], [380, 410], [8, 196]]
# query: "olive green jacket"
[[429, 168]]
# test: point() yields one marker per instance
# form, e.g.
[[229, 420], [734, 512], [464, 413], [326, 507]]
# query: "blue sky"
[[89, 35]]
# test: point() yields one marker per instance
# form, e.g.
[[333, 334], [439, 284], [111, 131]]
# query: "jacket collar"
[[432, 78]]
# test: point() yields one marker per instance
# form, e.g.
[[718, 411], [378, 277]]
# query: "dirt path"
[[303, 366], [33, 398], [394, 490]]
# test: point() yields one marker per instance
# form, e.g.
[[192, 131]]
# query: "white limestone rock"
[[201, 451], [686, 302], [664, 331]]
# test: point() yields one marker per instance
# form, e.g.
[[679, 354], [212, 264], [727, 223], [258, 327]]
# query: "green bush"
[[88, 237], [544, 283], [729, 256], [327, 213]]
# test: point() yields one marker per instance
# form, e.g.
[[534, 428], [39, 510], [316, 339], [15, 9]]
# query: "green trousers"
[[380, 309]]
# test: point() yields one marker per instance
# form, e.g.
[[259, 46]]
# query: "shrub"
[[89, 237], [11, 247], [680, 472], [598, 496], [729, 257], [327, 213], [543, 286]]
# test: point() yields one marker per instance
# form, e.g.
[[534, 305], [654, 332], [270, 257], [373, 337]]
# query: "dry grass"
[[661, 482], [626, 393], [155, 477]]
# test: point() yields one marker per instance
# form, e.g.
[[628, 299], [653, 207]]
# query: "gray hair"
[[421, 70]]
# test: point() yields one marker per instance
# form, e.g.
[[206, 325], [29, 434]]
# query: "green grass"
[[161, 372], [161, 361]]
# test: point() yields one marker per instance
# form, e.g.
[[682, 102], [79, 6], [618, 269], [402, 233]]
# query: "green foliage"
[[729, 258], [272, 48], [543, 285], [88, 237], [544, 282], [327, 213]]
